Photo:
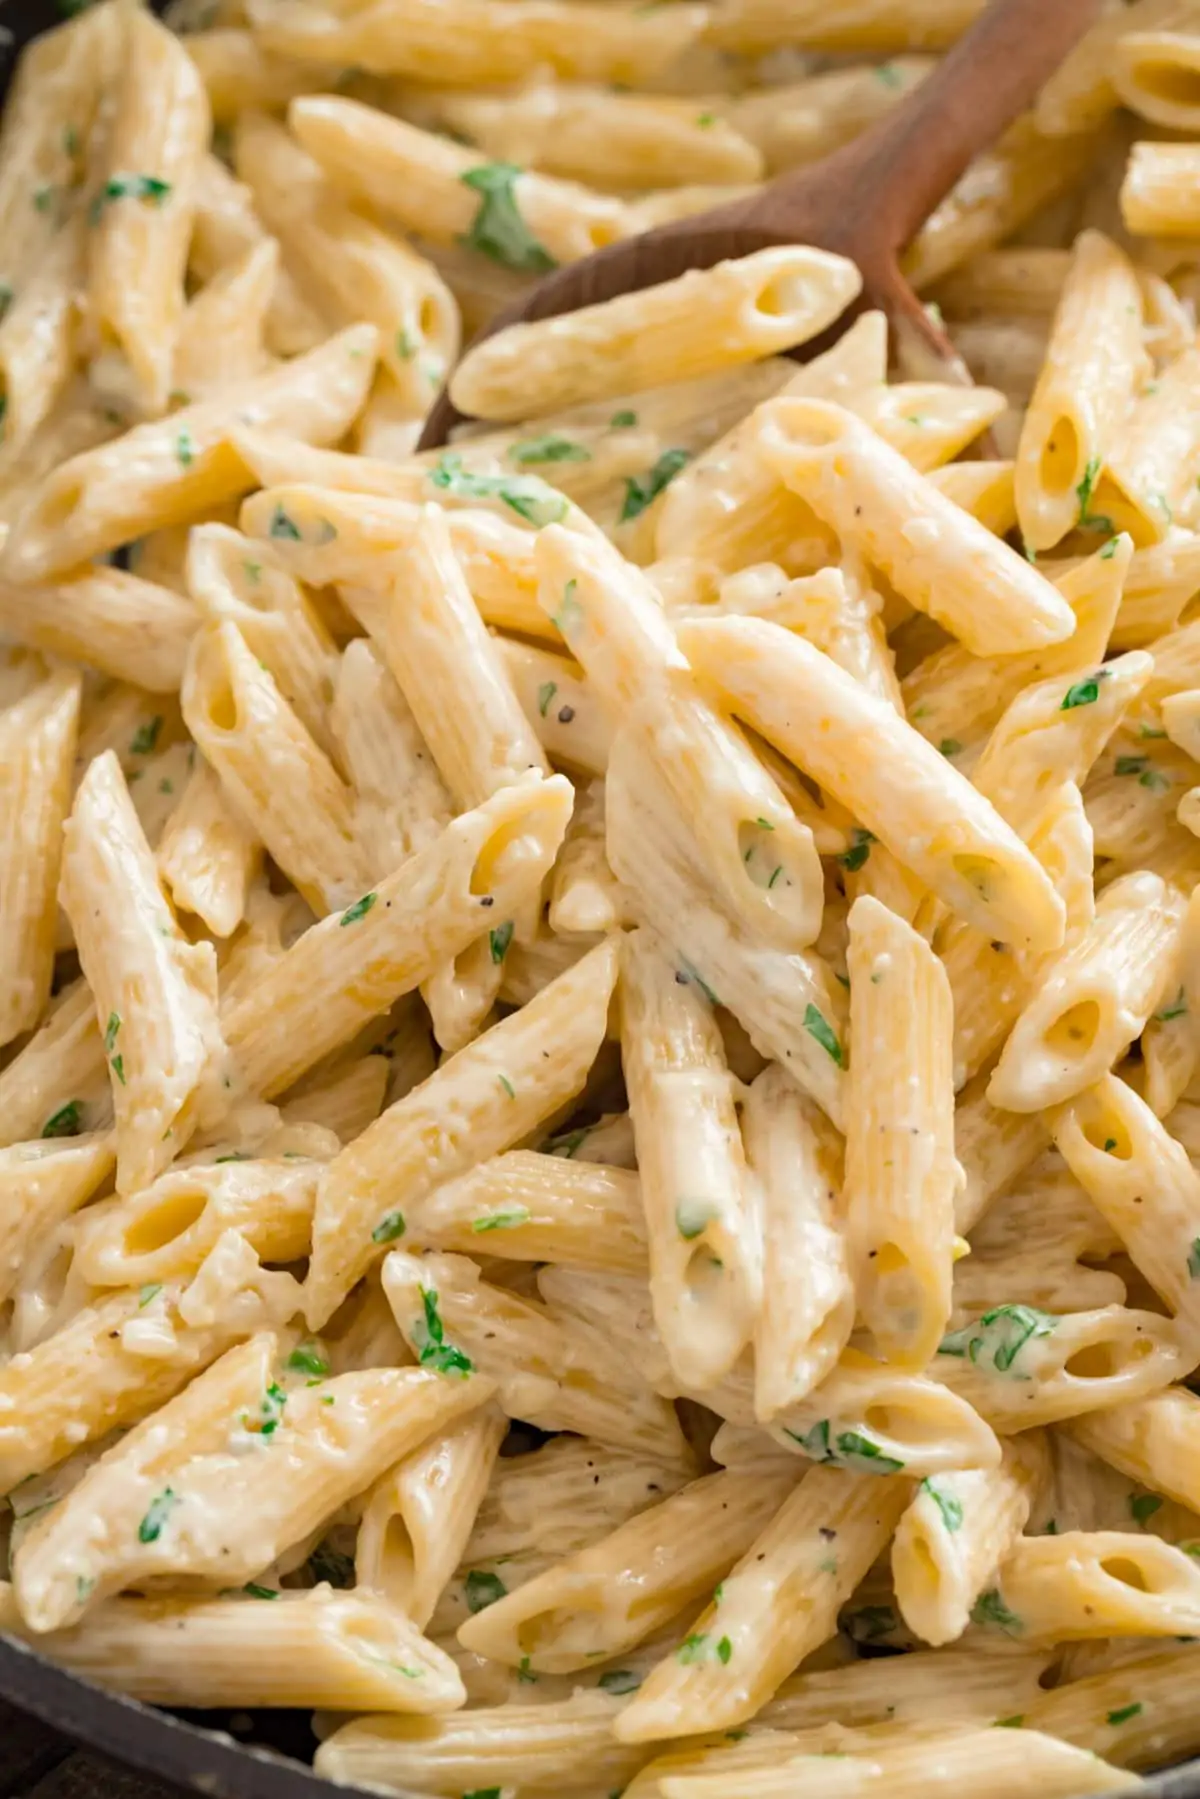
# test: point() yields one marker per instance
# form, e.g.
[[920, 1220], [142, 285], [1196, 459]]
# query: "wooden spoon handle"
[[911, 159]]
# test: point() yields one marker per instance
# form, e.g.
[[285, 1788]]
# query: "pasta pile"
[[600, 1176]]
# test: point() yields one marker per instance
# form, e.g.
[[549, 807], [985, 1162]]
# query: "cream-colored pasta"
[[60, 1071], [141, 216], [208, 856], [1094, 365], [531, 1207], [1158, 193], [957, 1530], [969, 857], [418, 1517], [695, 325], [41, 1185], [174, 468], [901, 1176], [808, 1306], [1154, 1440], [701, 1225], [1093, 1584], [37, 751], [445, 192], [155, 993], [497, 1091]]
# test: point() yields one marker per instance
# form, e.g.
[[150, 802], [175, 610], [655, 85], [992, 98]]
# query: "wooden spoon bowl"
[[867, 201]]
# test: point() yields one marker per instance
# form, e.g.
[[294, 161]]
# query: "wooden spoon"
[[867, 201]]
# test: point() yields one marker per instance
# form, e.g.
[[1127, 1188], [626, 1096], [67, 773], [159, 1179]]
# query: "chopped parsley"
[[860, 848], [990, 1608], [270, 1412], [185, 448], [999, 1336], [693, 1216], [818, 1026], [1084, 693], [1193, 1261], [146, 736], [1089, 521], [570, 613], [525, 1674], [622, 421], [550, 448], [642, 492], [498, 230], [1013, 1723], [358, 910], [429, 1336], [283, 526], [499, 940], [157, 1513], [1109, 550], [150, 189], [526, 495], [696, 1648], [566, 1145], [545, 694], [688, 973], [252, 1590], [507, 1085], [483, 1590], [406, 349], [947, 1504], [1177, 1008], [850, 1449], [66, 1122], [1123, 1713], [620, 1680], [949, 746], [308, 1358], [149, 1292], [888, 75], [1143, 1506], [502, 1221], [390, 1226]]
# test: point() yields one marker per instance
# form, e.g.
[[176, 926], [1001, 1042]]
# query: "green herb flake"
[[185, 448], [526, 495], [688, 973], [1142, 1506], [856, 1452], [1110, 1143], [549, 448], [501, 1221], [1130, 765], [157, 1513], [947, 1504], [860, 848], [499, 940], [693, 1216], [252, 1590], [1177, 1008], [1084, 693], [949, 746], [507, 1085], [888, 75], [283, 526], [498, 230], [1123, 1713], [483, 1590], [1109, 550], [818, 1026], [308, 1358], [1193, 1261], [999, 1336], [525, 1674], [118, 1068], [406, 347], [620, 1680], [149, 1292], [85, 1586], [429, 1336], [145, 738], [151, 190], [566, 1145], [390, 1227], [270, 1411], [358, 910], [622, 421], [640, 493], [1013, 1723], [1089, 521], [483, 1793], [66, 1122], [692, 1649], [724, 1651], [110, 1031], [545, 694], [990, 1608]]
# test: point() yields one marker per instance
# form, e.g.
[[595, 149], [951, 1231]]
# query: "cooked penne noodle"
[[172, 469], [531, 1207], [1093, 1584], [41, 1185], [141, 216], [808, 1306], [1151, 1439], [969, 856], [695, 325], [37, 753], [499, 1092], [208, 856], [347, 969], [901, 1176], [1159, 190], [957, 1531], [418, 1517], [58, 1082], [701, 1227], [155, 993], [1094, 365], [445, 192]]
